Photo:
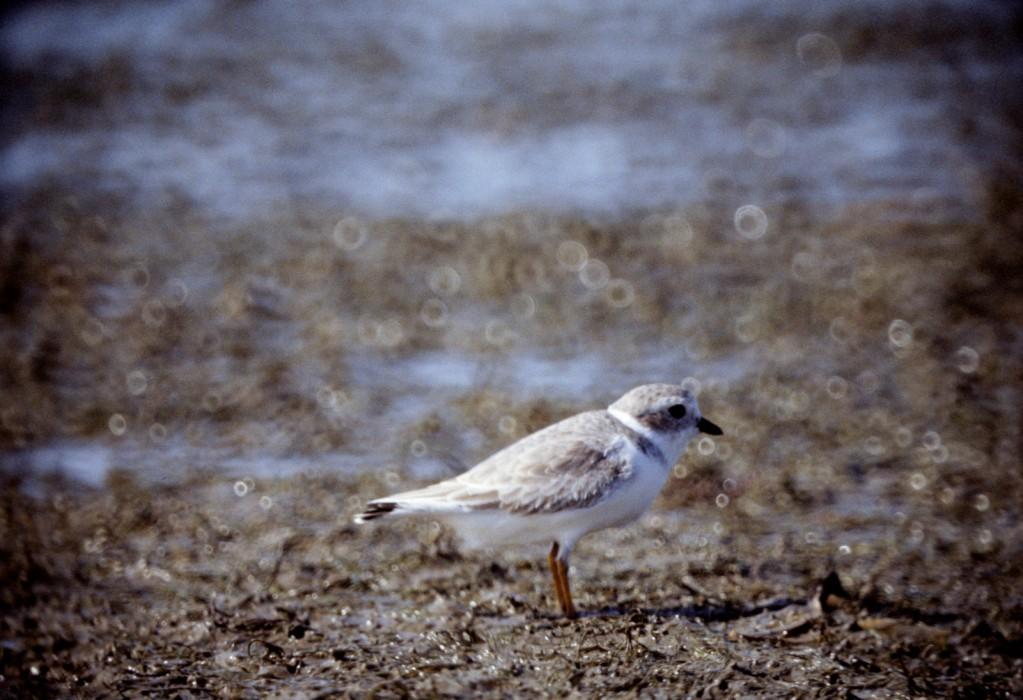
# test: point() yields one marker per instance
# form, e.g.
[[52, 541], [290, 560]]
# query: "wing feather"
[[571, 464]]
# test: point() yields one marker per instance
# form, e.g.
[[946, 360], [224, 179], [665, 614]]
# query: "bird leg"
[[568, 608], [552, 561], [559, 570]]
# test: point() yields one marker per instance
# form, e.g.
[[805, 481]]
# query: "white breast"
[[632, 498]]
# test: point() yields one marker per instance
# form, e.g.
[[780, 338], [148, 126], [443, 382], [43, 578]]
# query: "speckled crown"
[[638, 401]]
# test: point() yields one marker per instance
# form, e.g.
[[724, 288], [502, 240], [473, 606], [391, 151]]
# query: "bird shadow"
[[714, 610], [707, 612]]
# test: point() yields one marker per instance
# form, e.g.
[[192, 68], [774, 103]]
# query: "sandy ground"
[[192, 591], [855, 532]]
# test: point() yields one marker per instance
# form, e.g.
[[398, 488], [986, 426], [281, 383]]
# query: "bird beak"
[[705, 426]]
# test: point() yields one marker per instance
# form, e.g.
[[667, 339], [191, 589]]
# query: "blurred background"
[[312, 231], [247, 243]]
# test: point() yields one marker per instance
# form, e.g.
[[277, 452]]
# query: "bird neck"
[[666, 447]]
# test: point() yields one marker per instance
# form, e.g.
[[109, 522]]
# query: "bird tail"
[[445, 498], [374, 510]]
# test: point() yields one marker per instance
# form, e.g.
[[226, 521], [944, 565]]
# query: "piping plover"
[[594, 470]]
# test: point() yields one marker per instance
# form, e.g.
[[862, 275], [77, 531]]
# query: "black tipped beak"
[[706, 426]]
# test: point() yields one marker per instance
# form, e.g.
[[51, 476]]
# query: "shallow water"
[[442, 111]]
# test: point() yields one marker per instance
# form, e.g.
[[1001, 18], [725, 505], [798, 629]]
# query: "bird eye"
[[677, 411]]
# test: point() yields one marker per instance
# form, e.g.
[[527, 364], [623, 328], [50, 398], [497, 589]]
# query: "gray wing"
[[572, 464], [581, 477]]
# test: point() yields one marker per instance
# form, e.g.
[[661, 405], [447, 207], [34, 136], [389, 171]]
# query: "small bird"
[[595, 470]]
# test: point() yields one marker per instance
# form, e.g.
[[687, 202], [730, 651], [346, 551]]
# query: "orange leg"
[[552, 561], [559, 570], [568, 608]]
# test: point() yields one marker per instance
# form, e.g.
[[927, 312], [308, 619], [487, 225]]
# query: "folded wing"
[[572, 464]]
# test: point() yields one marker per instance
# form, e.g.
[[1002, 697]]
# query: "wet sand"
[[191, 591], [855, 532], [258, 267]]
